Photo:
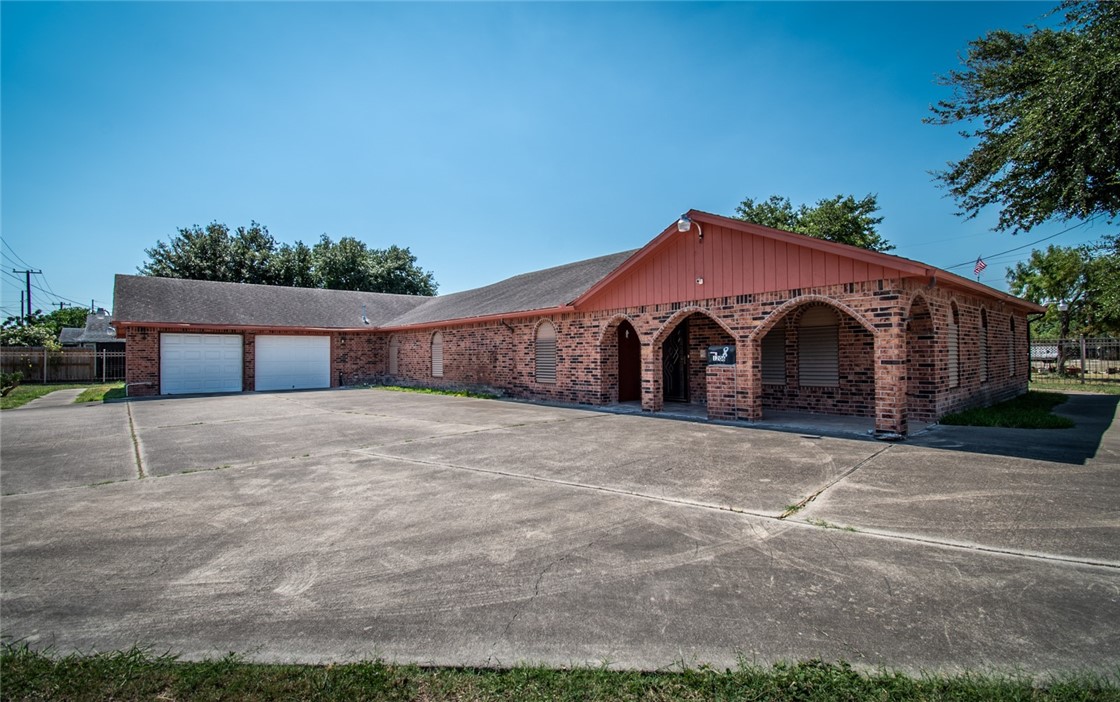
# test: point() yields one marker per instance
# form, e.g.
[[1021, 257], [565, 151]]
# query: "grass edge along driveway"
[[135, 675]]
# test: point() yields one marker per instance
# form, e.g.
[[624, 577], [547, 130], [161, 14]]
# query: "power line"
[[5, 243], [1019, 248]]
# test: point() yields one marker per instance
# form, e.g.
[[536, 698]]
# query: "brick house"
[[714, 312]]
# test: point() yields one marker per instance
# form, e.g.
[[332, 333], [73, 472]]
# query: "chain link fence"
[[1076, 361]]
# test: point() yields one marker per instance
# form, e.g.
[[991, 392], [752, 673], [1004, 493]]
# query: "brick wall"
[[896, 372], [855, 393]]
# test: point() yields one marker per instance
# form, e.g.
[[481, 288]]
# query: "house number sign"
[[721, 355]]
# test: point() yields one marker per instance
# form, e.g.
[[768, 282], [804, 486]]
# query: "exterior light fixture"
[[1063, 306], [684, 224]]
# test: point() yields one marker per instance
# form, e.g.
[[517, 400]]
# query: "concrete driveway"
[[365, 523]]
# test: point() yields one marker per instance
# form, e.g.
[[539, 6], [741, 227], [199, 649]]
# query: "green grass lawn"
[[438, 391], [1030, 411], [1108, 388], [132, 675], [100, 393], [22, 394]]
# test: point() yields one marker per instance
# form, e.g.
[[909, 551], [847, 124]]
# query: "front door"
[[674, 365], [629, 364]]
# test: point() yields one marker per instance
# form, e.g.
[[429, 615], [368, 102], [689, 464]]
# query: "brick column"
[[720, 381], [748, 379], [890, 379], [653, 400]]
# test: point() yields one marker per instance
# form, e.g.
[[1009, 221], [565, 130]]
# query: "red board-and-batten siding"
[[730, 263]]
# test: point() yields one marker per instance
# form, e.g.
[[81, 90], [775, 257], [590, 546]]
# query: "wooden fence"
[[40, 365]]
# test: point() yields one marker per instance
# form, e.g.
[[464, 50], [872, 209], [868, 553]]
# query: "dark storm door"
[[674, 365], [629, 364]]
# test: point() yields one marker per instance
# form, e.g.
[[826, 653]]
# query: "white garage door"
[[199, 363], [293, 362]]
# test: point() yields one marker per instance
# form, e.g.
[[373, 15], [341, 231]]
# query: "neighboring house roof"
[[98, 330], [539, 290], [149, 300]]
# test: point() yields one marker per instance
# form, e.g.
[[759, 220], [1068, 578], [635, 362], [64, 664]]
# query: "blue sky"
[[491, 139]]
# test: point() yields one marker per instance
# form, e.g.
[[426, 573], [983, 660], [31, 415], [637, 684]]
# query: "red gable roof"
[[735, 257]]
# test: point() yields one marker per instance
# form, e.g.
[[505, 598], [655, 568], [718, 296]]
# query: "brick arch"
[[914, 299], [678, 316], [541, 321], [612, 323], [783, 310], [923, 369]]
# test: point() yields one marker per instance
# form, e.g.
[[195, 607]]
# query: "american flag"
[[980, 266]]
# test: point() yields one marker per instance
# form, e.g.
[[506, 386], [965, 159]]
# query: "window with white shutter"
[[394, 353], [437, 355], [545, 353], [983, 346], [1011, 347], [818, 346], [774, 355], [954, 348]]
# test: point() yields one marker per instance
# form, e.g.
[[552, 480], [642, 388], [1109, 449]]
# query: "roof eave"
[[559, 309]]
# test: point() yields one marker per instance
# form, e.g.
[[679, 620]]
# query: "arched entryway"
[[680, 361], [629, 363], [620, 362], [921, 370]]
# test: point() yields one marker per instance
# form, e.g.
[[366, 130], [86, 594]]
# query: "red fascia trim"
[[630, 263]]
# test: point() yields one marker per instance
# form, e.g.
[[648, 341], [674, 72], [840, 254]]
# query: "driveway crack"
[[798, 506], [140, 474]]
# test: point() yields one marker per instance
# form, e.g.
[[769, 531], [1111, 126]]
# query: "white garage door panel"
[[191, 363], [293, 362]]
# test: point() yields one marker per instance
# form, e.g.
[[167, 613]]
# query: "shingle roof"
[[178, 301], [97, 330], [552, 287]]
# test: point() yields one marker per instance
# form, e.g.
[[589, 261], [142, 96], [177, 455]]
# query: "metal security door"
[[674, 365]]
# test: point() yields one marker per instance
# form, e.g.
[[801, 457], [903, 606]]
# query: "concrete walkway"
[[344, 525], [58, 398]]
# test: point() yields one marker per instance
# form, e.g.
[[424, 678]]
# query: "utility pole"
[[28, 278], [61, 305]]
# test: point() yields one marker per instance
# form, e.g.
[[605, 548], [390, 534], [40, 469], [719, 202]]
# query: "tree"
[[251, 255], [195, 253], [395, 271], [38, 329], [1043, 107], [292, 266], [16, 333], [842, 219], [1085, 278]]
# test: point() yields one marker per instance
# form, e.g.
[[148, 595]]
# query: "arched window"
[[818, 344], [394, 353], [954, 347], [983, 346], [774, 355], [437, 355], [546, 353]]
